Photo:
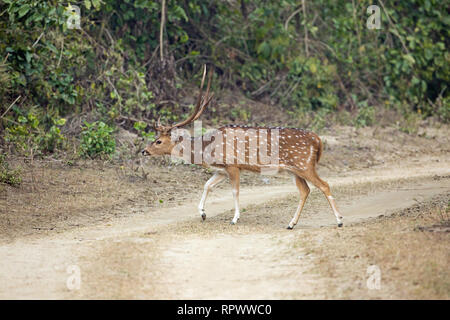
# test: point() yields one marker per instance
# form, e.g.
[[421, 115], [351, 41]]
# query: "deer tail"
[[319, 151]]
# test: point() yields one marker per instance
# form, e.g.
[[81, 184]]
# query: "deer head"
[[163, 143]]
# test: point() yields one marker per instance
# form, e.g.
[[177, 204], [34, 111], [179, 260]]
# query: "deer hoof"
[[203, 216], [340, 224], [289, 227]]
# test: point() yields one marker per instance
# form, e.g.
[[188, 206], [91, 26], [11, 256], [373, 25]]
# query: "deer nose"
[[144, 152]]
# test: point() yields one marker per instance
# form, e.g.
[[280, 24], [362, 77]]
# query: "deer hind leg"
[[325, 188], [234, 174], [211, 183], [304, 192]]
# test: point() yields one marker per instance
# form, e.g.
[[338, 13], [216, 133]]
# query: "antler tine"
[[208, 86], [201, 89], [206, 99], [199, 106], [157, 124], [203, 107]]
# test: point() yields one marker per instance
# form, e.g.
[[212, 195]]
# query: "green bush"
[[7, 175], [140, 127], [410, 123], [366, 116], [97, 140], [53, 138], [319, 120], [309, 60], [30, 136], [444, 110]]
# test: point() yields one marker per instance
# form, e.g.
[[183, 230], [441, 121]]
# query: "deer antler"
[[202, 102], [200, 106], [206, 99]]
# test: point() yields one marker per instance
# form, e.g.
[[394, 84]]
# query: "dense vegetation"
[[310, 57]]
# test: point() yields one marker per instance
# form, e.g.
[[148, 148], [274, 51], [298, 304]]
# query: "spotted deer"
[[230, 149]]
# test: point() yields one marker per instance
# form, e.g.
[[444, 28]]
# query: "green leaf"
[[264, 49], [409, 58], [184, 38], [96, 3], [428, 54], [60, 122], [28, 56], [24, 10]]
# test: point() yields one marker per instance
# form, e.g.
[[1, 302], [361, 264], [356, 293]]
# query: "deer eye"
[[158, 142]]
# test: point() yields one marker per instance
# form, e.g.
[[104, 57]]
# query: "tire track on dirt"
[[260, 265], [245, 265]]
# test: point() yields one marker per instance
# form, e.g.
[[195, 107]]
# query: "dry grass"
[[411, 248], [55, 196]]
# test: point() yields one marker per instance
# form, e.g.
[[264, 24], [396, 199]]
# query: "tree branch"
[[161, 30]]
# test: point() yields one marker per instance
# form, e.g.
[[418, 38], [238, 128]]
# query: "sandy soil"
[[167, 252], [132, 230]]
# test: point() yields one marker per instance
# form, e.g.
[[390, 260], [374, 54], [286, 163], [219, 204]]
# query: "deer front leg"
[[211, 183], [304, 192], [233, 174]]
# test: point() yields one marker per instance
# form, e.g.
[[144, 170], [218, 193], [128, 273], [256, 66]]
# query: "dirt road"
[[167, 253]]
